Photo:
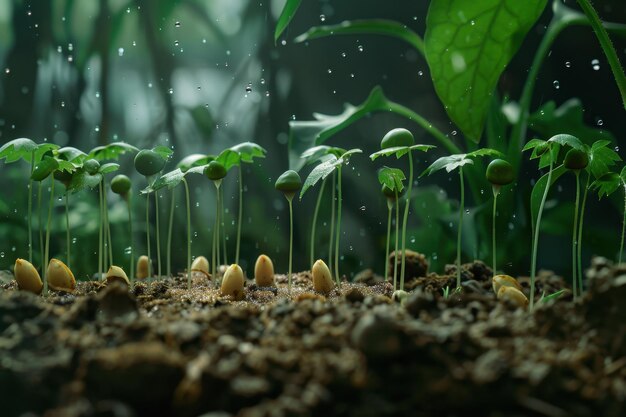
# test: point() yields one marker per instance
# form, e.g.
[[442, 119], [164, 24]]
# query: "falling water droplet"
[[249, 88], [568, 64], [600, 122], [322, 18], [120, 51], [556, 84], [595, 64], [176, 43], [360, 48], [177, 24]]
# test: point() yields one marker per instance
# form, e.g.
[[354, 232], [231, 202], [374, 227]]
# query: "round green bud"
[[148, 162], [91, 166], [575, 159], [215, 171], [120, 184], [44, 168], [397, 137], [500, 172], [63, 176], [391, 194], [288, 182]]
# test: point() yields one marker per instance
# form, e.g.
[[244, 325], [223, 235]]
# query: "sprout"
[[60, 277], [200, 264], [264, 271], [499, 281], [499, 173], [607, 184], [391, 179], [512, 296], [27, 277], [289, 183], [232, 284], [121, 185], [117, 274], [322, 280], [215, 171], [143, 267]]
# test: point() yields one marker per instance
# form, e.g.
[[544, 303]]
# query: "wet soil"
[[161, 350]]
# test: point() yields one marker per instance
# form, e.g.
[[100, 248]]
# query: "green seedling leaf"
[[164, 151], [203, 120], [17, 149], [452, 162], [622, 175], [606, 184], [549, 120], [567, 140], [400, 151], [601, 158], [169, 180], [392, 178], [194, 160], [320, 172], [196, 170], [69, 153], [66, 166], [321, 153], [545, 298], [229, 158], [346, 155], [82, 180], [366, 27], [533, 144], [288, 12], [111, 151], [108, 168], [539, 188], [468, 44], [248, 151]]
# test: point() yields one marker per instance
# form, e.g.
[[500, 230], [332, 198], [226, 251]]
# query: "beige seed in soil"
[[143, 267], [116, 273], [322, 280], [264, 271], [200, 264], [499, 281], [60, 277], [27, 277], [513, 296], [232, 283]]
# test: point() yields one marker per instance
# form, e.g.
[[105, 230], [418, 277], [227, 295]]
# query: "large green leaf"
[[69, 153], [289, 11], [321, 153], [320, 172], [169, 180], [607, 184], [17, 149], [392, 178], [194, 160], [111, 151], [468, 46], [452, 162], [229, 158], [108, 168], [366, 27], [539, 188], [82, 179], [601, 158], [248, 151], [164, 151], [400, 151]]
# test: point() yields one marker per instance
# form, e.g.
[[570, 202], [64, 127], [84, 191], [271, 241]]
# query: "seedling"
[[60, 277], [215, 171], [121, 185], [149, 162], [322, 171], [400, 142], [392, 188], [264, 271], [450, 163], [322, 280], [605, 186], [499, 173], [289, 183], [548, 152], [232, 284]]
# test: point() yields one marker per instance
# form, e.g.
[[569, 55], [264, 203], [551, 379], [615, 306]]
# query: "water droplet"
[[171, 91], [360, 48], [29, 13], [472, 22], [177, 24], [330, 71], [249, 88], [283, 42], [420, 73], [595, 64], [267, 94], [556, 84], [362, 208], [1, 254], [127, 250], [262, 81], [568, 64], [617, 149], [454, 133], [343, 54], [176, 43], [97, 128], [120, 51], [322, 18], [600, 122], [7, 70]]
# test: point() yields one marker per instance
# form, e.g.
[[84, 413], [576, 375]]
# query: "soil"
[[161, 350]]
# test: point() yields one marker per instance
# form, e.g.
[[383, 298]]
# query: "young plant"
[[322, 171], [548, 152], [392, 188], [606, 185], [289, 183], [499, 173], [450, 163], [121, 185], [149, 162], [400, 142], [215, 171]]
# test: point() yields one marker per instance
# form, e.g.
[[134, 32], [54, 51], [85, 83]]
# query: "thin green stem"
[[108, 225], [580, 235], [395, 252], [405, 219], [389, 209], [100, 232], [574, 241], [40, 215], [607, 47], [30, 208], [290, 200], [188, 234], [213, 249], [68, 258], [533, 266], [496, 191], [338, 231], [130, 231], [314, 223], [223, 227], [458, 236], [332, 224], [148, 234], [239, 215], [157, 227], [621, 243], [218, 242], [44, 268], [170, 228]]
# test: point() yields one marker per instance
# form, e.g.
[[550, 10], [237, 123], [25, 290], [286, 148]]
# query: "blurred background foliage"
[[200, 76]]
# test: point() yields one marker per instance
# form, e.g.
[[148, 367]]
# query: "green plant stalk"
[[188, 234], [496, 191], [314, 223], [223, 227], [458, 236], [290, 200], [217, 226], [389, 209], [148, 234], [332, 224], [533, 265], [130, 231], [580, 236], [239, 215], [108, 226], [39, 197], [395, 252], [574, 241], [30, 209], [405, 219], [621, 243], [169, 233], [100, 232], [158, 237], [607, 47], [44, 268], [338, 231], [67, 229]]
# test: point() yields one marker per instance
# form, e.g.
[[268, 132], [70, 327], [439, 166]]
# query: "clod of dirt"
[[418, 301], [377, 337], [354, 295], [115, 301], [415, 263], [367, 277]]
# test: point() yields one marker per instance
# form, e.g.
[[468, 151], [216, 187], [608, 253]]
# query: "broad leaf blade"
[[318, 173], [248, 151], [392, 178], [606, 184], [108, 168], [69, 153], [193, 160], [82, 179], [564, 139], [169, 180], [229, 158], [468, 45], [17, 149], [289, 11], [164, 151], [111, 151], [319, 153], [601, 158]]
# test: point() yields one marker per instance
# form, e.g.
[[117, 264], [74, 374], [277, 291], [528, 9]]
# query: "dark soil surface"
[[160, 350]]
